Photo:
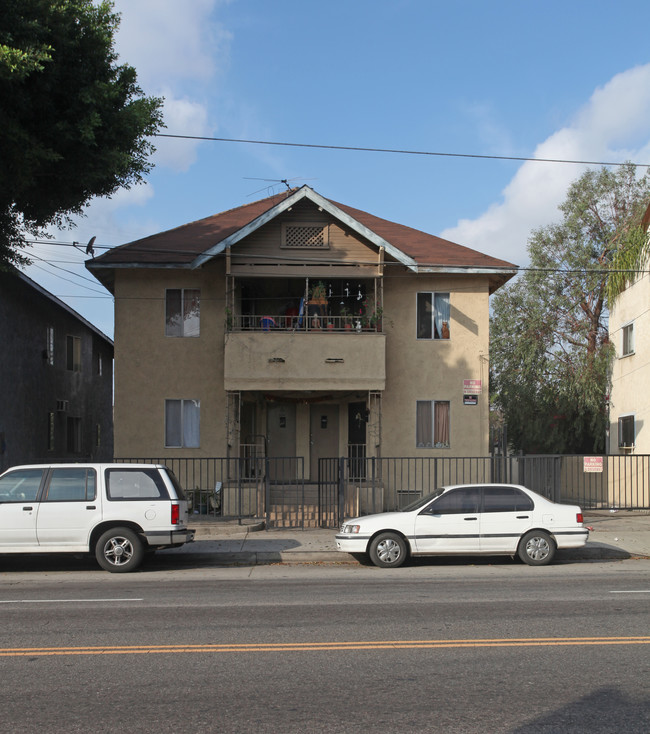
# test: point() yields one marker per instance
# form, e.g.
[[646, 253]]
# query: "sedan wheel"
[[536, 548], [388, 550]]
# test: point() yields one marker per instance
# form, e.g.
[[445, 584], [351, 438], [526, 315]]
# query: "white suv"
[[116, 511]]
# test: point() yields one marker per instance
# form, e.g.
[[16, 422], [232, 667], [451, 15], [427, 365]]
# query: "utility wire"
[[398, 151]]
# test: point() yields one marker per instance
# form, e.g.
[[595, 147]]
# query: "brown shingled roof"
[[180, 246]]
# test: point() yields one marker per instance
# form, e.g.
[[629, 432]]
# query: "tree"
[[73, 122], [549, 349]]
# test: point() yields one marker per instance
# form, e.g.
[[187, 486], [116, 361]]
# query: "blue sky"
[[567, 80]]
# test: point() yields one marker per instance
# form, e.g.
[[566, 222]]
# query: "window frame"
[[50, 345], [627, 339], [73, 353], [623, 421], [439, 306], [182, 330], [182, 431], [419, 425]]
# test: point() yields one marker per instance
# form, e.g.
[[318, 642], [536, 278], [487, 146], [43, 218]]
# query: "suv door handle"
[[470, 518], [523, 517], [91, 507], [27, 509]]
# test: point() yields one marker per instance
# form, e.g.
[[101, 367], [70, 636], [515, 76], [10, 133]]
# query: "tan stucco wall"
[[631, 375], [150, 367], [435, 369]]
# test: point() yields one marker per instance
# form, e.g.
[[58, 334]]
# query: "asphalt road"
[[443, 646]]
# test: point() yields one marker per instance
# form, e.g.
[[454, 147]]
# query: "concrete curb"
[[592, 552]]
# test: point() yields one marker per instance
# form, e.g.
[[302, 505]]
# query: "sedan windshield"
[[422, 501]]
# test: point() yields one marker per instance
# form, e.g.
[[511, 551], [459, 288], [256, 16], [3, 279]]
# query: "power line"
[[398, 151]]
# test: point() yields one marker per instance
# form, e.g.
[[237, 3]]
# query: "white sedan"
[[468, 519]]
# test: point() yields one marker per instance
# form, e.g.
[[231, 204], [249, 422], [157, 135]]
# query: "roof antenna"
[[273, 182]]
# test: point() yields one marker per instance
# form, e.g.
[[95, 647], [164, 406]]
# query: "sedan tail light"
[[579, 518], [176, 514]]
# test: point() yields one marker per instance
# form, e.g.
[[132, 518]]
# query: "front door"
[[281, 439], [323, 435]]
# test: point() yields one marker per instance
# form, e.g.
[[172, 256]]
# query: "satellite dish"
[[90, 250]]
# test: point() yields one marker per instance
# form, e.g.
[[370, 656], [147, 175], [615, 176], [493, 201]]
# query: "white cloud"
[[611, 127], [168, 41]]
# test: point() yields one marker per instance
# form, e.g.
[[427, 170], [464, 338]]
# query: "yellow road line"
[[322, 646]]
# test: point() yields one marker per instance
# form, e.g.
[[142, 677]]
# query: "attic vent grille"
[[305, 235]]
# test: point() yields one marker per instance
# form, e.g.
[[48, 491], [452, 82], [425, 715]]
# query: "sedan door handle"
[[523, 517], [470, 518], [27, 509], [91, 507]]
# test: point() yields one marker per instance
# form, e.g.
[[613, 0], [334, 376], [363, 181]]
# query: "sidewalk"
[[616, 535]]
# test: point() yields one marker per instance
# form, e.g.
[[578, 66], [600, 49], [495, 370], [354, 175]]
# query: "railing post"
[[341, 489], [267, 492]]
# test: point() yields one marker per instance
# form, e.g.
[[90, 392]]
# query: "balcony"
[[276, 353]]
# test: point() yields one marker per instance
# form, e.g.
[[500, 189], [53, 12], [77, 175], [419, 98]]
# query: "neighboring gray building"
[[56, 372]]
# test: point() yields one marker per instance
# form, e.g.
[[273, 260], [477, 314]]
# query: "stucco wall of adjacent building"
[[631, 373]]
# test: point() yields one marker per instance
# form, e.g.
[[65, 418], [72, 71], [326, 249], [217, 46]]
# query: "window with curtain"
[[432, 424], [182, 424], [433, 320], [182, 312]]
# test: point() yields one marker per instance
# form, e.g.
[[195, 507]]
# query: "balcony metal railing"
[[307, 323]]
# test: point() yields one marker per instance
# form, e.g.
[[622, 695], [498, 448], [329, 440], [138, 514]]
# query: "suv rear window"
[[135, 484]]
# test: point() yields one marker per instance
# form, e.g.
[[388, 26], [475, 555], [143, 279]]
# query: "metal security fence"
[[278, 490]]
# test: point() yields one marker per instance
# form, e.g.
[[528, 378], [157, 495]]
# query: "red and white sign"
[[593, 464], [472, 387]]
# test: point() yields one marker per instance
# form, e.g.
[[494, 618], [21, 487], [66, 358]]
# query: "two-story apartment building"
[[629, 404], [56, 370], [296, 326]]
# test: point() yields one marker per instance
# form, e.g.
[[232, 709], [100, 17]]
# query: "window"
[[433, 316], [432, 424], [73, 353], [182, 423], [100, 365], [456, 502], [21, 485], [50, 345], [182, 312], [71, 485], [73, 443], [628, 340], [135, 484], [626, 432], [506, 499]]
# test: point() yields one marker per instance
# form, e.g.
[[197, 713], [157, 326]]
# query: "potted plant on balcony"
[[318, 294], [345, 316]]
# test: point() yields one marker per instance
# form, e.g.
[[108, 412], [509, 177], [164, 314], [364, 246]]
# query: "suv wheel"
[[119, 550]]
